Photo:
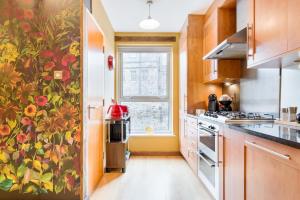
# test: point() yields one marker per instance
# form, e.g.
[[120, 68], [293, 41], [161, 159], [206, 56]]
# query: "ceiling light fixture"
[[149, 23]]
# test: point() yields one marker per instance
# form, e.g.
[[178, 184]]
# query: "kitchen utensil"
[[115, 111], [213, 104]]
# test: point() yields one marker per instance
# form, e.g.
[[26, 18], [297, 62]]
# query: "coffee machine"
[[213, 104]]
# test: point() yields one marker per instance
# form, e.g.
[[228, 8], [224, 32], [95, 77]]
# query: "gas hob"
[[231, 117]]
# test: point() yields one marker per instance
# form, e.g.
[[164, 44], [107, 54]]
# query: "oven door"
[[207, 142], [207, 172]]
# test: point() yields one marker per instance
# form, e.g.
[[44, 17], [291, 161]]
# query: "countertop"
[[289, 136]]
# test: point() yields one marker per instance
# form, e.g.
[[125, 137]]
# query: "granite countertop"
[[289, 136]]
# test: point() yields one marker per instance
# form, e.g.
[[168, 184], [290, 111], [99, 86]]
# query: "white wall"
[[290, 91], [109, 43]]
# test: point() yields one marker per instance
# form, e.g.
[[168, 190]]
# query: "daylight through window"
[[145, 87]]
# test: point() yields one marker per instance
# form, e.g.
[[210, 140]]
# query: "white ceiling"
[[125, 15]]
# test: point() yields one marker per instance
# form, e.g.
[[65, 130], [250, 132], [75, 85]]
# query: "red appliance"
[[124, 109], [115, 111]]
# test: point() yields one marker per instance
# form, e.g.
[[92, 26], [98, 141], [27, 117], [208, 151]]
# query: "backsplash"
[[290, 92], [39, 115], [260, 90]]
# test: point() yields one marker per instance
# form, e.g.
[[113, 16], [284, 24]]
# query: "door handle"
[[89, 110]]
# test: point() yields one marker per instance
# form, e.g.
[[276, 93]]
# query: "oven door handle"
[[207, 130], [208, 162]]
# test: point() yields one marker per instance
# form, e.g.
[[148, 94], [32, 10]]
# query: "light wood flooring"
[[152, 178]]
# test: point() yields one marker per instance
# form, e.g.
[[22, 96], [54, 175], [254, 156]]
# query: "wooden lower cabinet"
[[254, 169], [269, 176], [184, 138], [188, 142], [233, 165]]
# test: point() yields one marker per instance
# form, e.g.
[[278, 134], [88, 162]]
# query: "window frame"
[[169, 81]]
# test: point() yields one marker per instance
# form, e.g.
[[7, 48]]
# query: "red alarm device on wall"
[[110, 62]]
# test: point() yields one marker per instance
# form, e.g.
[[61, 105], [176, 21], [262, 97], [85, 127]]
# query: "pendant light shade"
[[149, 23]]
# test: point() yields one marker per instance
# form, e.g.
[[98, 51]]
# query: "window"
[[145, 82]]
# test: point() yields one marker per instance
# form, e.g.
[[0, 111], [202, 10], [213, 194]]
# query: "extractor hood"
[[234, 47]]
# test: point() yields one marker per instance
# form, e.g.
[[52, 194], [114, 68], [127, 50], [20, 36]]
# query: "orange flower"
[[30, 110], [4, 130], [67, 115], [28, 14]]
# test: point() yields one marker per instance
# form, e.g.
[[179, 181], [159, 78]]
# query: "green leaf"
[[2, 178], [59, 186], [30, 98], [46, 177], [6, 185], [40, 152], [21, 170], [55, 99]]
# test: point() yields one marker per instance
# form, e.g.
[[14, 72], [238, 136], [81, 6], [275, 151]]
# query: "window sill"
[[154, 135]]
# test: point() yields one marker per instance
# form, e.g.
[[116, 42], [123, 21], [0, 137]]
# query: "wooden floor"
[[152, 178]]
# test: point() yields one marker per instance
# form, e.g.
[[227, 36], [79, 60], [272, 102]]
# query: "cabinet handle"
[[253, 144], [250, 40], [209, 163], [185, 103]]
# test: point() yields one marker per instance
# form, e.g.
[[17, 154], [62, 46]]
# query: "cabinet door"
[[270, 29], [293, 24], [183, 72], [268, 176], [184, 139], [233, 165], [210, 33]]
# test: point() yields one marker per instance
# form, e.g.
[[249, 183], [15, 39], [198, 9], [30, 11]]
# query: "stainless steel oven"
[[208, 156]]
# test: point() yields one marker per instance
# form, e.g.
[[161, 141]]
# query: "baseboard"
[[155, 153]]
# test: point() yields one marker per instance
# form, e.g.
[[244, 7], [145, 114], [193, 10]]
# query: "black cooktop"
[[271, 131]]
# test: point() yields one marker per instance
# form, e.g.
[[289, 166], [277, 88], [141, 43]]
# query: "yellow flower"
[[74, 48], [4, 157], [25, 147], [30, 110], [38, 145], [9, 53]]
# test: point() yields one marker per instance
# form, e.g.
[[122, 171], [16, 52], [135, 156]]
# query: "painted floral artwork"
[[40, 115]]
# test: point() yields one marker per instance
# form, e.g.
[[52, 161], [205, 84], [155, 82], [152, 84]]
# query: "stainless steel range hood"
[[234, 47]]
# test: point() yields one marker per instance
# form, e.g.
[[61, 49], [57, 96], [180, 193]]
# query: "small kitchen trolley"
[[117, 143]]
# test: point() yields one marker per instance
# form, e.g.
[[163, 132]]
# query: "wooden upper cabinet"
[[220, 24], [293, 24], [193, 91], [210, 34], [268, 33]]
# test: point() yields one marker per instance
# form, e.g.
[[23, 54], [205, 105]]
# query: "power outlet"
[[58, 75]]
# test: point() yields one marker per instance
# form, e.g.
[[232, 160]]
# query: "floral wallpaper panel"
[[39, 115]]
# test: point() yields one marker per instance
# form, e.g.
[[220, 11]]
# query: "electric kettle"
[[115, 111]]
